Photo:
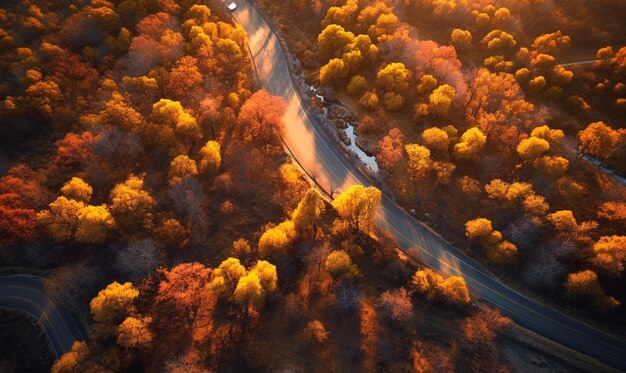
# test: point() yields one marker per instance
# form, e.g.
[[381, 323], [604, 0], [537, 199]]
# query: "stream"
[[368, 160]]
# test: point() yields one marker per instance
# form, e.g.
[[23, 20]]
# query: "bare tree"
[[139, 258], [547, 268]]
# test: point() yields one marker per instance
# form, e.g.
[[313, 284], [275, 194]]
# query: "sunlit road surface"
[[321, 158], [27, 294]]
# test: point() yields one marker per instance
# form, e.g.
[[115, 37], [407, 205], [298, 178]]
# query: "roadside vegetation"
[[143, 175], [480, 131]]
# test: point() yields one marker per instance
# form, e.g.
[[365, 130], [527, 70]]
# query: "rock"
[[341, 112], [343, 137], [369, 147], [297, 68], [328, 93], [339, 124]]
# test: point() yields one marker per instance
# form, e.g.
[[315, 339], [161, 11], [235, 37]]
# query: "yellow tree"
[[369, 100], [77, 189], [307, 214], [441, 99], [94, 224], [498, 251], [276, 240], [563, 221], [436, 140], [44, 96], [339, 265], [548, 134], [419, 161], [471, 144], [358, 206], [182, 167], [172, 114], [211, 159], [535, 205], [433, 285], [426, 85], [502, 253], [78, 359], [532, 147], [134, 332], [610, 254], [394, 80], [332, 41], [249, 292], [584, 286], [461, 39], [118, 112], [61, 220], [426, 281], [266, 272], [478, 229], [112, 305], [225, 277], [130, 203], [357, 86], [600, 140], [454, 290], [241, 248], [334, 72]]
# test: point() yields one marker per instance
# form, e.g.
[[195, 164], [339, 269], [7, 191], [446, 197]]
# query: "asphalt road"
[[321, 157], [27, 294]]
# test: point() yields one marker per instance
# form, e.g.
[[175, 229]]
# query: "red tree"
[[75, 150], [391, 148], [261, 115]]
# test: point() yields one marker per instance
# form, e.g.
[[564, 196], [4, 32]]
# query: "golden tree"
[[532, 147], [94, 224], [225, 277], [394, 80], [600, 140], [471, 144], [358, 206], [112, 305], [61, 220], [339, 265], [134, 332], [610, 254], [131, 203], [182, 167], [436, 140], [315, 332], [584, 286], [249, 291], [277, 240], [266, 272], [211, 159], [419, 161], [440, 100], [77, 189], [307, 214]]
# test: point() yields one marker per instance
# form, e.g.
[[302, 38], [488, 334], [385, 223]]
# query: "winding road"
[[27, 294], [322, 159]]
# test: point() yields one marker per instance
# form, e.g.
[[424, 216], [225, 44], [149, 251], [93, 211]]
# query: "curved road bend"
[[27, 294], [321, 158]]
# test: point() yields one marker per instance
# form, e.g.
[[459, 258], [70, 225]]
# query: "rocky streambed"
[[340, 119]]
